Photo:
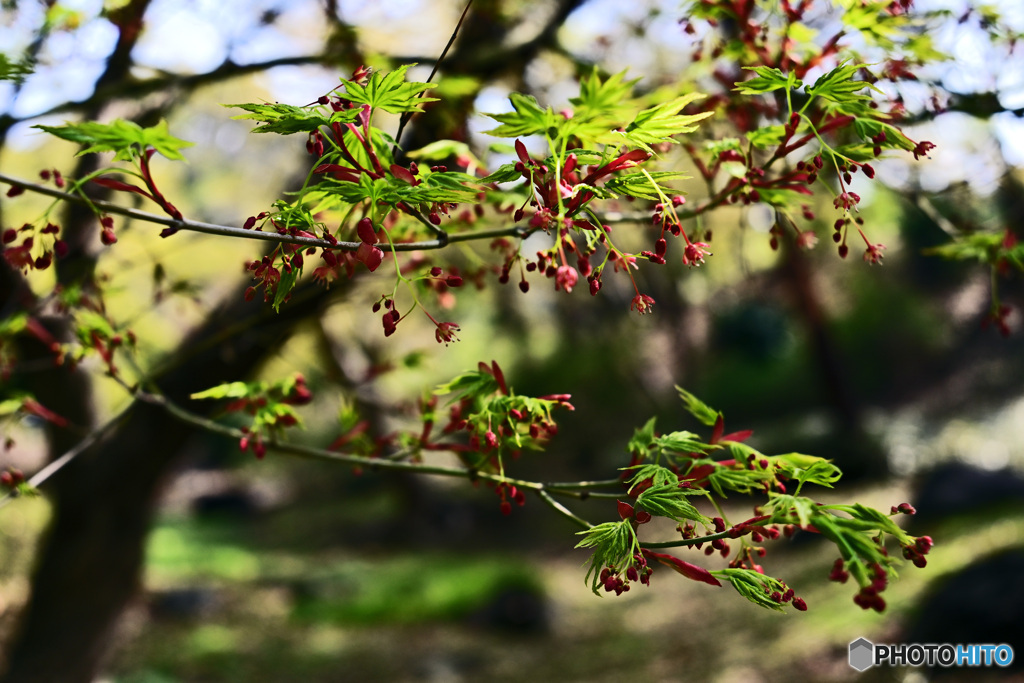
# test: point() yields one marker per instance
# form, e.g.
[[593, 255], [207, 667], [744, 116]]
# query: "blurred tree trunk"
[[89, 564]]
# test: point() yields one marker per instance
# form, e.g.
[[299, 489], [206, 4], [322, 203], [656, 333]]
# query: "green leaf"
[[704, 413], [286, 119], [768, 79], [11, 406], [228, 390], [978, 246], [868, 128], [738, 478], [472, 384], [839, 84], [600, 97], [14, 72], [614, 544], [528, 118], [285, 286], [13, 324], [642, 440], [656, 473], [504, 174], [389, 91], [126, 139], [789, 509], [668, 500], [661, 122], [767, 137], [87, 322], [443, 149], [754, 586], [639, 184], [807, 468], [682, 442]]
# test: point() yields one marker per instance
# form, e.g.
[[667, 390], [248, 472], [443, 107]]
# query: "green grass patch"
[[411, 589]]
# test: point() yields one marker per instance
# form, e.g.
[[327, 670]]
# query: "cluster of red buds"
[[20, 257], [391, 315], [916, 551], [253, 439], [297, 394], [508, 493], [11, 478], [870, 596], [618, 582]]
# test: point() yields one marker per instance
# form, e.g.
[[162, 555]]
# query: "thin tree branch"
[[562, 510], [433, 71], [230, 231], [573, 490], [51, 469]]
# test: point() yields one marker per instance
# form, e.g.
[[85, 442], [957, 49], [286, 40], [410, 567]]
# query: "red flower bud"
[[364, 228]]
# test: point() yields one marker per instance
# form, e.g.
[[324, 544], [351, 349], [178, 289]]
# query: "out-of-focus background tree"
[[285, 570]]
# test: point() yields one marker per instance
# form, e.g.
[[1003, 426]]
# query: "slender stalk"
[[42, 475], [230, 231]]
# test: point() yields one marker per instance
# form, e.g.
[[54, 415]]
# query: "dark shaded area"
[[956, 490], [982, 604], [103, 501]]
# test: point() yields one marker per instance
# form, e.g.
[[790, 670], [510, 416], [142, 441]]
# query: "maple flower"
[[846, 200], [922, 149], [806, 239], [445, 333], [694, 253], [642, 303], [566, 278], [873, 254], [624, 262]]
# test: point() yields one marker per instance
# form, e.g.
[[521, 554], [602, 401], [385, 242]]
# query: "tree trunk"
[[89, 565]]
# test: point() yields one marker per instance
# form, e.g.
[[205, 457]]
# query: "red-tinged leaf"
[[484, 368], [340, 172], [521, 152], [716, 433], [403, 174], [631, 158], [500, 376], [740, 436], [690, 571], [699, 473], [370, 255], [367, 235], [34, 407], [118, 185], [625, 510]]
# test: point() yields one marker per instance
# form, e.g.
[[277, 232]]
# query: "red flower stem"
[[368, 147]]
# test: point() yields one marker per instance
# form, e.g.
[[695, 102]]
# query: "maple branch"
[[231, 231]]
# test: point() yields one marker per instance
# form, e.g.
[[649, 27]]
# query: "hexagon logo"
[[862, 654]]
